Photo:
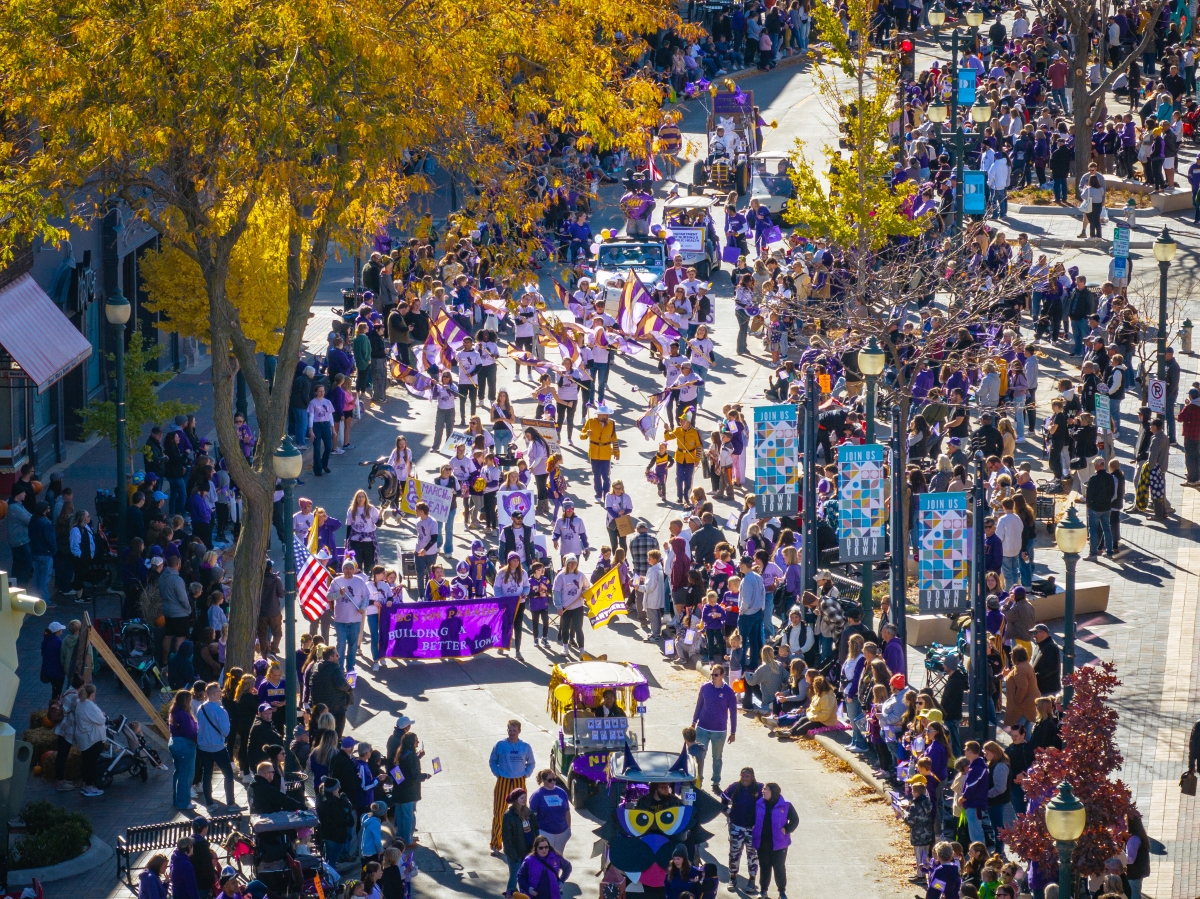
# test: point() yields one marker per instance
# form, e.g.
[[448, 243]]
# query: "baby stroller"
[[135, 649], [127, 753]]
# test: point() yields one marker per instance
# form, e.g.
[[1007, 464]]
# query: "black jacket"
[[345, 772], [516, 840], [410, 789], [1045, 734], [335, 815], [508, 544], [329, 685], [301, 392], [704, 543], [262, 734], [952, 696], [1047, 665], [266, 797], [1100, 491]]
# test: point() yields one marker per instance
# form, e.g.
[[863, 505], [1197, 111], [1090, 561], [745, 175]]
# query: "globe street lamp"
[[1164, 252], [117, 311], [1065, 820], [1071, 537], [936, 113], [937, 18], [287, 464], [870, 362], [974, 17]]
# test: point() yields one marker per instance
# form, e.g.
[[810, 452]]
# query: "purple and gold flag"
[[417, 384]]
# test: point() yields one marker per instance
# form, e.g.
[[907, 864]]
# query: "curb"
[[98, 854], [1073, 212], [1083, 243], [857, 765]]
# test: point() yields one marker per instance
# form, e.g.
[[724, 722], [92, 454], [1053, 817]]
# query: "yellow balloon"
[[606, 234], [564, 693]]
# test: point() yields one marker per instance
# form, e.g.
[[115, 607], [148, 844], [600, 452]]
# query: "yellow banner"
[[605, 599]]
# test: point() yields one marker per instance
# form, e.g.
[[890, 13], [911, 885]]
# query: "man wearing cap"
[[518, 538], [262, 734], [1171, 366], [752, 601], [600, 431], [569, 535], [893, 649], [349, 595]]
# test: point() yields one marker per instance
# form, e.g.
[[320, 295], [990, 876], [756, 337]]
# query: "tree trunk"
[[1081, 112]]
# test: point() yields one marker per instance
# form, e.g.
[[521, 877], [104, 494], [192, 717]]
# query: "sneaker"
[[348, 446], [338, 452], [375, 667], [91, 791], [519, 657], [65, 786]]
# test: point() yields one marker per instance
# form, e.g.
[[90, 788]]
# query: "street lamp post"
[[936, 113], [809, 544], [288, 463], [981, 114], [1164, 252], [117, 311], [974, 17], [899, 572], [870, 362], [1066, 819], [937, 18], [979, 667], [1070, 536]]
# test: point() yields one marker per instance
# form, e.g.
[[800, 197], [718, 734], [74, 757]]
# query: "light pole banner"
[[944, 553], [861, 513], [776, 460]]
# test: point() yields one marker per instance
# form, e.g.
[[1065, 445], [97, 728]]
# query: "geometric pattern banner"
[[861, 513], [944, 552], [776, 460]]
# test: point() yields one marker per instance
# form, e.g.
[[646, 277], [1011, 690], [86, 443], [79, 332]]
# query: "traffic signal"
[[908, 60]]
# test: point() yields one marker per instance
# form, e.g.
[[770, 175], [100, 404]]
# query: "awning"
[[34, 331]]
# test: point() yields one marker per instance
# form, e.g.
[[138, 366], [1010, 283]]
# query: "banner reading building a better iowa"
[[605, 599]]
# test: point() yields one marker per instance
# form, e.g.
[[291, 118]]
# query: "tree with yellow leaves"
[[234, 125]]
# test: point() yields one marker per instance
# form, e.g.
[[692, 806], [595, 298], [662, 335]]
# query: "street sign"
[[1120, 242], [1120, 269], [1103, 414], [966, 87], [1158, 396], [974, 196]]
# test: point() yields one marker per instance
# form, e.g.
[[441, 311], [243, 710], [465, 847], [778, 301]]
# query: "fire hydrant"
[[1185, 336]]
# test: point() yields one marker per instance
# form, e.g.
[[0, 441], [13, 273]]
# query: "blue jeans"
[[513, 868], [298, 426], [373, 626], [334, 851], [1060, 94], [1002, 816], [1060, 189], [178, 495], [1019, 415], [1011, 569], [1171, 419], [1035, 305], [975, 825], [599, 372], [406, 820], [1079, 330], [600, 480], [347, 642], [43, 567], [1026, 567], [854, 712], [714, 742], [448, 536], [423, 564], [503, 437], [1099, 525], [322, 446], [751, 629], [183, 753]]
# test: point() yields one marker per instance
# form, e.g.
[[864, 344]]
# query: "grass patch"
[[1113, 199]]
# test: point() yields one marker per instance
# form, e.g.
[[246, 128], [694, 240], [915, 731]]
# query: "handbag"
[[1085, 205], [1187, 783]]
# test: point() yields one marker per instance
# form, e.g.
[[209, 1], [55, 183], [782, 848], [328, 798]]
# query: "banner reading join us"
[[861, 509]]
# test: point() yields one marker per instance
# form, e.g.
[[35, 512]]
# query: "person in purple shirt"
[[338, 361], [993, 547], [945, 881], [975, 790], [893, 650], [715, 719], [184, 731]]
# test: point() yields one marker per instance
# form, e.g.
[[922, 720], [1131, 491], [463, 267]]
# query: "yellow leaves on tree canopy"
[[256, 283]]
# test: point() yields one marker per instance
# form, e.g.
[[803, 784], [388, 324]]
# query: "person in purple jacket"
[[183, 874], [184, 731], [975, 791], [945, 879], [774, 820], [715, 706]]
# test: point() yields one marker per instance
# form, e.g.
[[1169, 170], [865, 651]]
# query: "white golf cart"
[[690, 221], [770, 180]]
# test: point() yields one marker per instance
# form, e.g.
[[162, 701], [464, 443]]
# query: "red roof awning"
[[37, 335]]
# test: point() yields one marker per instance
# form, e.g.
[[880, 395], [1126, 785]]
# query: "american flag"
[[312, 579]]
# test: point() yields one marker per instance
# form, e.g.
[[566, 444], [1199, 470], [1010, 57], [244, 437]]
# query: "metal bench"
[[150, 837]]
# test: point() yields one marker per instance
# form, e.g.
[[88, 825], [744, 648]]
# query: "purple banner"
[[592, 765], [440, 630]]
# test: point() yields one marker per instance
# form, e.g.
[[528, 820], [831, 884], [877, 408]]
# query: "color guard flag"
[[648, 423], [417, 384], [605, 599], [635, 302], [655, 174], [561, 292]]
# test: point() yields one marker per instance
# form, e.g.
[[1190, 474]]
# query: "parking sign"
[[1158, 396]]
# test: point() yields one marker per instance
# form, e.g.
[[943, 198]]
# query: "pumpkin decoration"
[[160, 621], [3, 508], [37, 770], [37, 487], [46, 722]]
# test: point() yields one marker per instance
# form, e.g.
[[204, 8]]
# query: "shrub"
[[52, 835]]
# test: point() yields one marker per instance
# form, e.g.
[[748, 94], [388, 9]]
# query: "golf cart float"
[[770, 180], [734, 110], [616, 255], [689, 219]]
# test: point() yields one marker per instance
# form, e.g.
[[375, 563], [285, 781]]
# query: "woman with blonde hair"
[[362, 519], [822, 709]]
